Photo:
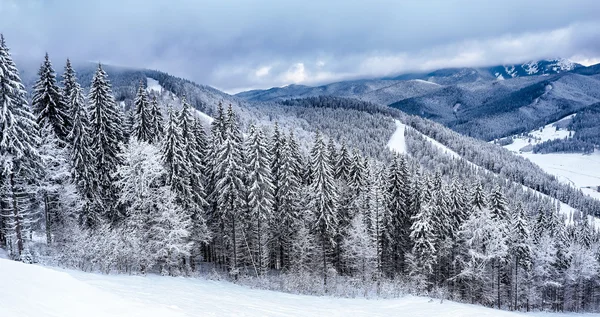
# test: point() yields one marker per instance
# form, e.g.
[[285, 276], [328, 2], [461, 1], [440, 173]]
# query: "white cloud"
[[296, 74], [263, 71], [504, 49]]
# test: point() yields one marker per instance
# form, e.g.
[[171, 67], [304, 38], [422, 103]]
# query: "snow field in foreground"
[[35, 291]]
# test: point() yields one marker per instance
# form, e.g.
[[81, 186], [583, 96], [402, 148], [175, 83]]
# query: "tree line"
[[156, 189]]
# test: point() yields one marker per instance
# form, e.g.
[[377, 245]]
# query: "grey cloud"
[[248, 44]]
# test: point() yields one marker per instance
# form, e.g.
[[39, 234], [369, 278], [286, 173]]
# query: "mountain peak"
[[540, 67]]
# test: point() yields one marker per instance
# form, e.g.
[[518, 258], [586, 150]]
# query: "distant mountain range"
[[485, 102]]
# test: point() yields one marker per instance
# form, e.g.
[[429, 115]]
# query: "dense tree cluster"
[[172, 194]]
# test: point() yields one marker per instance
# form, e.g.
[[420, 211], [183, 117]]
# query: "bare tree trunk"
[[17, 215], [324, 262], [48, 219], [516, 283]]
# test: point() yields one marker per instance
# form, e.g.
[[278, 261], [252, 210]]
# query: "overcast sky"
[[240, 45]]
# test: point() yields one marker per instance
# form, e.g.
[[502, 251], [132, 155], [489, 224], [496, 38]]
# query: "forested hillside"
[[301, 196]]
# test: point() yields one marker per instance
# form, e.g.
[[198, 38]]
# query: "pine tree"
[[157, 129], [478, 197], [69, 83], [260, 195], [173, 158], [380, 219], [229, 188], [284, 222], [142, 124], [324, 199], [106, 138], [83, 171], [48, 103], [423, 256], [20, 160], [397, 190], [498, 205], [520, 248], [343, 164]]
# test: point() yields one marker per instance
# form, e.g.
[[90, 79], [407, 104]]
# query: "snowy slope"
[[65, 293], [565, 209], [397, 142], [580, 170], [153, 85]]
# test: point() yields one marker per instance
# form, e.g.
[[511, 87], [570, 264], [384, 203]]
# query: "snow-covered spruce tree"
[[477, 198], [142, 123], [358, 175], [333, 155], [83, 171], [156, 121], [380, 220], [48, 103], [275, 149], [200, 230], [105, 122], [422, 258], [397, 191], [176, 166], [297, 159], [519, 243], [499, 210], [343, 164], [18, 154], [69, 81], [128, 124], [229, 189], [193, 171], [459, 208], [192, 157], [284, 223], [215, 250], [324, 200], [260, 196]]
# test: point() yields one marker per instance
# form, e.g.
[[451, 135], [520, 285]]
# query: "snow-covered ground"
[[580, 170], [35, 291], [204, 117], [397, 142], [548, 132], [153, 85]]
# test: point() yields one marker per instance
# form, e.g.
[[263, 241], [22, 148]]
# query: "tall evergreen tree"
[[83, 171], [20, 159], [69, 82], [48, 103], [324, 200], [173, 157], [142, 124], [106, 138], [519, 248], [260, 195], [397, 189], [229, 188], [156, 121], [423, 256]]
